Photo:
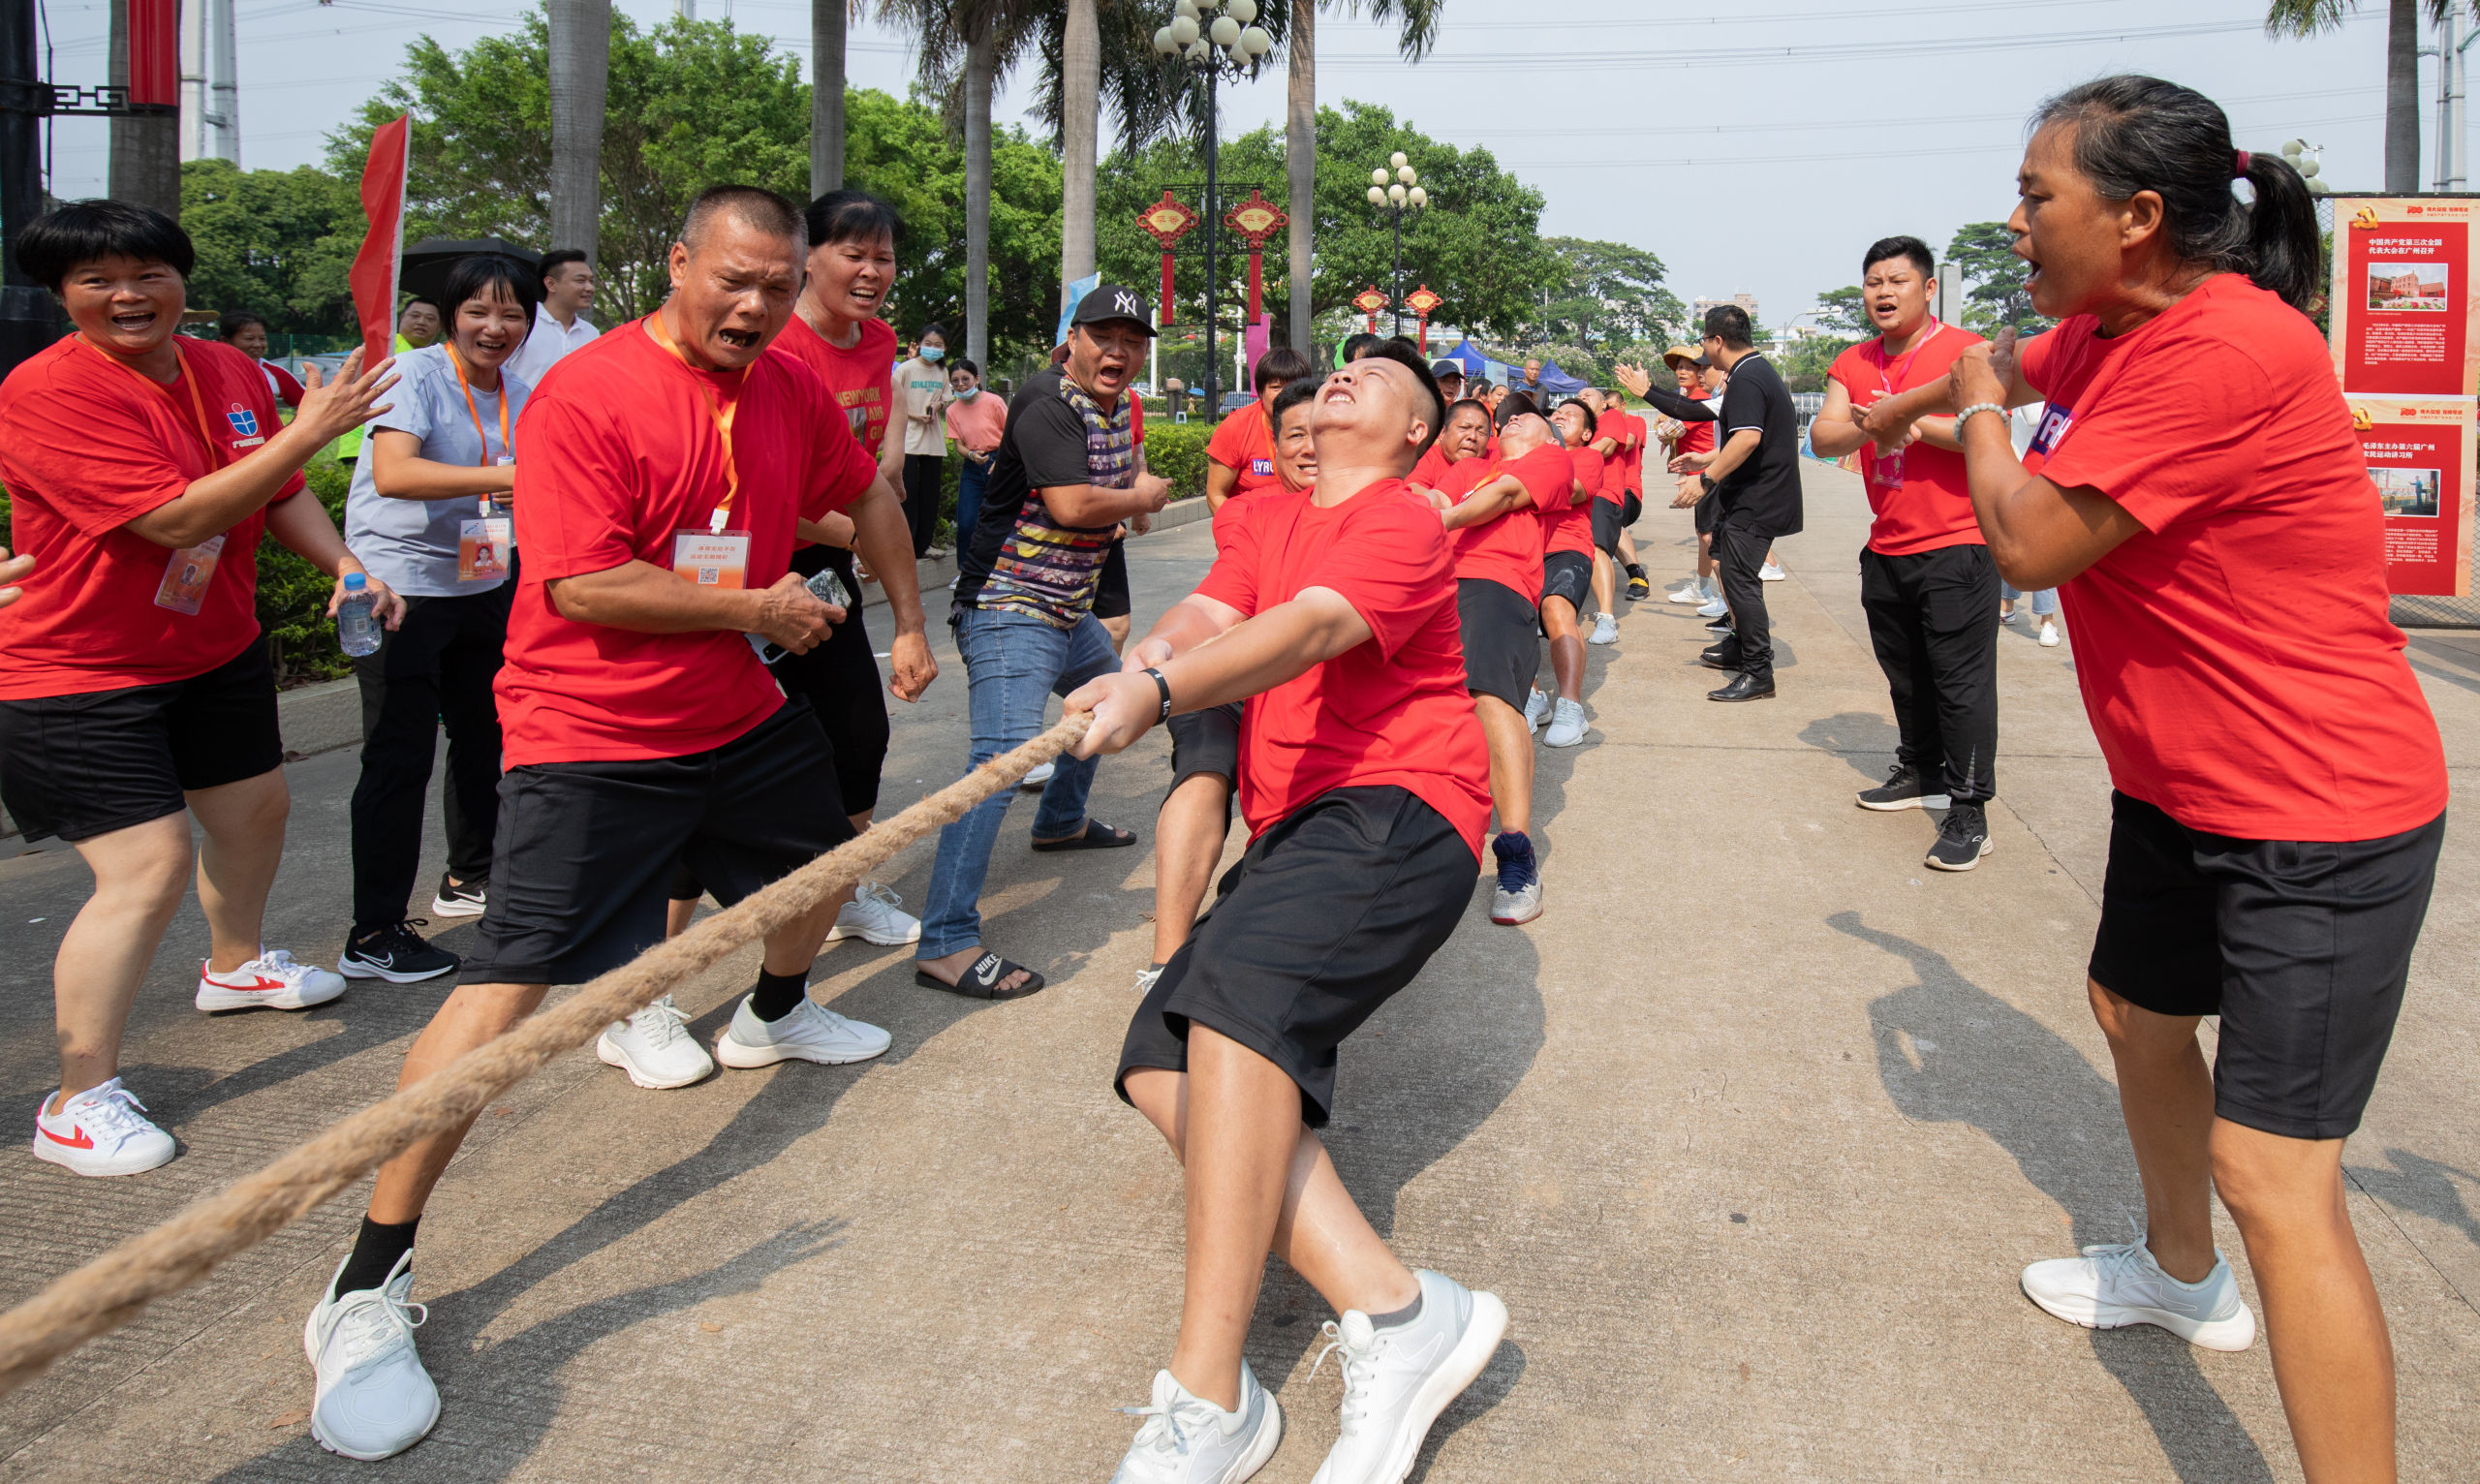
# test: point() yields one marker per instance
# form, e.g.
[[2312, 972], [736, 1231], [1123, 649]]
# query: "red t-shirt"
[[859, 378], [2236, 660], [1614, 464], [1507, 549], [1699, 436], [1570, 526], [1430, 469], [1930, 504], [87, 446], [1629, 432], [616, 455], [1392, 710], [1243, 443]]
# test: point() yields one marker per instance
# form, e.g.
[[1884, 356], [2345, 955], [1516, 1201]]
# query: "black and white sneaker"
[[395, 953], [460, 899], [1961, 842], [1901, 789]]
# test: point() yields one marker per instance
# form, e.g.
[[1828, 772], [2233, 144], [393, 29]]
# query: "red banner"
[[2420, 457], [375, 266], [155, 52], [2407, 322]]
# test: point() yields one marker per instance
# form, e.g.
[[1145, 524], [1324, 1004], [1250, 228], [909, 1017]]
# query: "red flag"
[[154, 51], [374, 268]]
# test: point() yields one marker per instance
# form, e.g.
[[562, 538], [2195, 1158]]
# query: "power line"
[[2000, 146]]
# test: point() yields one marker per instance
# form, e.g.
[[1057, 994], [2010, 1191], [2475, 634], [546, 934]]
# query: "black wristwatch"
[[1164, 686], [1706, 480]]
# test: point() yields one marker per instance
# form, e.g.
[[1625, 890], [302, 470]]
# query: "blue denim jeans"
[[2044, 600], [1013, 665], [969, 481]]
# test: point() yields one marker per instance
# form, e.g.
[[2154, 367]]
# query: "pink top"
[[977, 424]]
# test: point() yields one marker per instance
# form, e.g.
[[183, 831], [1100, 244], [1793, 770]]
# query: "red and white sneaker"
[[274, 980], [103, 1131]]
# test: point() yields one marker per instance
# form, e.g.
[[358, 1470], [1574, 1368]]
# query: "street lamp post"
[[1210, 44], [1396, 189]]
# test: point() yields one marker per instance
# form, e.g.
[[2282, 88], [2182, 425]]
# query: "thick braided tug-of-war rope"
[[110, 1291]]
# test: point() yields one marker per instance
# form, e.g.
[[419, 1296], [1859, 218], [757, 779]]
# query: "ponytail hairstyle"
[[2141, 134]]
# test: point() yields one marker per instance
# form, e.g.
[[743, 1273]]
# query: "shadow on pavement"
[[1950, 1052], [2422, 1186], [1860, 738]]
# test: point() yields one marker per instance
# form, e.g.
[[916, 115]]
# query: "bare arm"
[[885, 542], [398, 471], [1220, 478], [1735, 452], [1491, 501], [2039, 534], [222, 499], [1834, 432], [644, 599], [1252, 657], [1096, 505], [301, 524]]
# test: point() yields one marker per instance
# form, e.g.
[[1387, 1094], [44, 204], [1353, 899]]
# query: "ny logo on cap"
[[1125, 302]]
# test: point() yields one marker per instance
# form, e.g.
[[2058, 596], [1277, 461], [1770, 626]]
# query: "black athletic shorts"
[[1327, 915], [1709, 511], [2301, 948], [1631, 506], [1206, 741], [587, 852], [79, 766], [1567, 574], [1608, 521], [1111, 594], [1502, 647]]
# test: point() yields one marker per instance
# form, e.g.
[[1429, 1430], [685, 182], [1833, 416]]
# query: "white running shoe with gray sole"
[[1398, 1380], [812, 1033], [655, 1048], [1537, 709], [2118, 1283], [374, 1400], [1606, 630], [1186, 1439], [872, 917], [1567, 724]]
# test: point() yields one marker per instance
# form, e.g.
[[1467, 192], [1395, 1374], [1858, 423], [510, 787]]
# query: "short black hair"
[[1283, 364], [1592, 418], [474, 277], [1401, 352], [56, 243], [1294, 393], [1729, 323], [1516, 404], [235, 320], [757, 205], [420, 298], [1461, 403], [1900, 247], [964, 363], [1358, 346], [934, 328], [852, 216], [556, 260], [1478, 384]]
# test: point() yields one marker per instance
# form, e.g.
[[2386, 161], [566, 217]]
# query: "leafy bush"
[[1176, 451], [293, 595]]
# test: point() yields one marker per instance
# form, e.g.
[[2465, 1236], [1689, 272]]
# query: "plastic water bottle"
[[357, 628]]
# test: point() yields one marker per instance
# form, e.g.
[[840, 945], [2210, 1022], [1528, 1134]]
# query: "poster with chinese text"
[[2420, 457], [2404, 319]]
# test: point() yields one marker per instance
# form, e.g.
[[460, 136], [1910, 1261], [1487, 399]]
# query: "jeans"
[[2044, 600], [1013, 665], [969, 481]]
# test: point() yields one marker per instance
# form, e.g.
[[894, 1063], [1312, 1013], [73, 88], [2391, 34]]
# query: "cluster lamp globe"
[[1200, 28]]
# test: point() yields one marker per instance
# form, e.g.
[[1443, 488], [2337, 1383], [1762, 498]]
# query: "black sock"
[[374, 1255], [778, 994], [1635, 570], [1404, 1315]]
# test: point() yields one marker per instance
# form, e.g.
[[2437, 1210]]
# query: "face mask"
[[934, 353], [967, 394]]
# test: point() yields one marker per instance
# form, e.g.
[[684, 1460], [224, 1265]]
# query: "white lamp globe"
[[1418, 196], [1183, 29], [1397, 160], [1378, 177], [1200, 50], [1407, 174], [1244, 11], [1224, 31], [1188, 8], [2294, 147], [1257, 40], [2310, 168], [1378, 196], [1395, 194], [1163, 42]]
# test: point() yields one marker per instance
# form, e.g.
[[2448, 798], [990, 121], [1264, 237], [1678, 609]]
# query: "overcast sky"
[[1756, 150]]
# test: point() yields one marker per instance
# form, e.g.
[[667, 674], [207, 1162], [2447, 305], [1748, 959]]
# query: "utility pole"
[[224, 119], [29, 321], [2453, 123]]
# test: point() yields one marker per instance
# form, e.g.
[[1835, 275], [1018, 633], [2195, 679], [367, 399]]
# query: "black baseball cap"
[[1113, 301], [1445, 368]]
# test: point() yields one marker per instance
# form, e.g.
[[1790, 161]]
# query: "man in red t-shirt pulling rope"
[[1365, 781]]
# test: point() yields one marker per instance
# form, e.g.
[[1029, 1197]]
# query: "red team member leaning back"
[[1364, 779], [135, 691], [662, 470], [2198, 490]]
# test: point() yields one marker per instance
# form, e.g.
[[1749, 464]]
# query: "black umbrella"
[[424, 267]]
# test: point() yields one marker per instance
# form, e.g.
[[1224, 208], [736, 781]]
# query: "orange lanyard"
[[715, 406], [475, 413], [216, 455]]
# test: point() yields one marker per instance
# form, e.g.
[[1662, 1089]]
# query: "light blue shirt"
[[410, 545]]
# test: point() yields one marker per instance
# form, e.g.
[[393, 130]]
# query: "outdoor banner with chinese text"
[[2420, 457]]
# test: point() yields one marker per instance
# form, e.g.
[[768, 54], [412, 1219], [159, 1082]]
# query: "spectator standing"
[[560, 324], [135, 689], [922, 383], [417, 324], [430, 513], [976, 420], [247, 333]]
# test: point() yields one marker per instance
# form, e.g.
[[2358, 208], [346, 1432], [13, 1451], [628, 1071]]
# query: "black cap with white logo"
[[1114, 301]]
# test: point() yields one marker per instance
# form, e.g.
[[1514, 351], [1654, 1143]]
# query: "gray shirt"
[[410, 545]]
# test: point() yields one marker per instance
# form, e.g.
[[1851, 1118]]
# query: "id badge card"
[[483, 548], [187, 574], [711, 558]]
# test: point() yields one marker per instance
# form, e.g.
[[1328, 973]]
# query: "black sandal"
[[1095, 836], [981, 979]]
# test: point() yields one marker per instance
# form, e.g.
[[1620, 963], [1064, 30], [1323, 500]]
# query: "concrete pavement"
[[1753, 1130]]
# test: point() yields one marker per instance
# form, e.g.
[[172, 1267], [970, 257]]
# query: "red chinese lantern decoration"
[[1166, 222], [1370, 301], [1423, 301], [1255, 220]]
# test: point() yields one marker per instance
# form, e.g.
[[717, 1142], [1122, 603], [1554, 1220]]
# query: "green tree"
[[1608, 294], [1839, 312], [277, 243], [2308, 17], [1985, 254]]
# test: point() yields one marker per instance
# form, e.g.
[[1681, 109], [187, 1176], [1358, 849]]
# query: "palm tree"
[[966, 46], [2307, 17], [1080, 72], [581, 63], [1416, 34], [828, 18]]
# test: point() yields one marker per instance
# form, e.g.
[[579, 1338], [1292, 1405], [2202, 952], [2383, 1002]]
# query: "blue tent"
[[1558, 384], [1476, 364]]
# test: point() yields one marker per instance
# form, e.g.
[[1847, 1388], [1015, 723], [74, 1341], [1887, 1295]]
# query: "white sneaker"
[[1691, 591], [103, 1131], [655, 1048], [374, 1400], [1147, 977], [2119, 1283], [1605, 631], [1770, 572], [1038, 776], [1398, 1380], [2049, 634], [2009, 615], [1717, 608], [1186, 1439], [872, 917], [1536, 708], [1567, 724], [812, 1033], [273, 981]]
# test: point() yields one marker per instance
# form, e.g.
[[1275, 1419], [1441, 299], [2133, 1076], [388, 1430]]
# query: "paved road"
[[1752, 1131]]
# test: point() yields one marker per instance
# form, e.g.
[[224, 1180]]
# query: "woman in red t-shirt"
[[2197, 488], [135, 689], [1240, 457]]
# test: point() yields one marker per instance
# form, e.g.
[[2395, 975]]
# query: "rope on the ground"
[[112, 1289]]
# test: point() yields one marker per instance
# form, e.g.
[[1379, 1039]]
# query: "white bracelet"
[[1966, 416]]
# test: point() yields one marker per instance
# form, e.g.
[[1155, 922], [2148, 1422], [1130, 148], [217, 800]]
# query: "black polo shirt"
[[1763, 493]]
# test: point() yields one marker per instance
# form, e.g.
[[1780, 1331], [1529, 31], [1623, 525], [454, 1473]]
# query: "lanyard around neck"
[[216, 454], [1891, 373], [475, 413], [716, 409]]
